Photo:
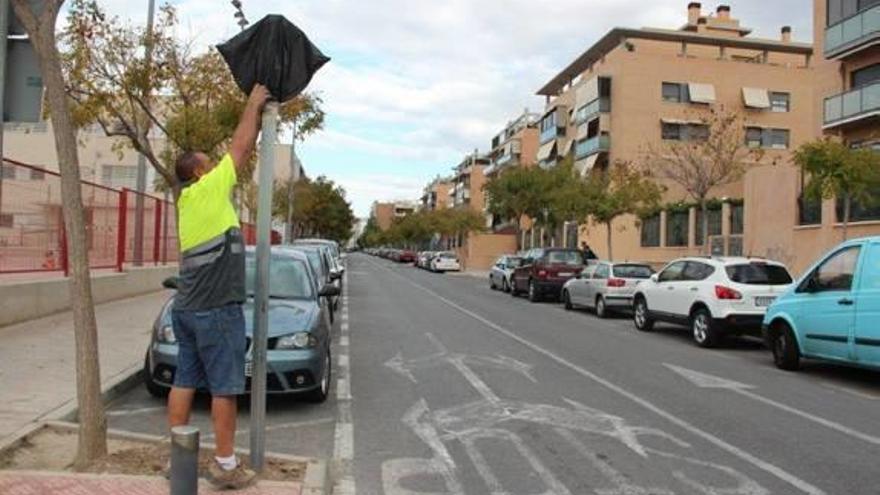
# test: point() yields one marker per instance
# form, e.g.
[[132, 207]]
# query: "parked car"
[[406, 256], [321, 262], [605, 286], [832, 313], [423, 260], [712, 296], [502, 271], [543, 272], [299, 331], [338, 255], [445, 262]]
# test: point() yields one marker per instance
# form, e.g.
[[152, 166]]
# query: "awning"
[[702, 93], [587, 92], [666, 120], [582, 132], [546, 150], [566, 147], [756, 97], [586, 165]]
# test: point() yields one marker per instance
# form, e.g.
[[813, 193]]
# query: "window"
[[676, 92], [684, 132], [672, 272], [861, 211], [573, 258], [714, 224], [633, 271], [549, 121], [8, 172], [737, 219], [671, 132], [697, 271], [123, 176], [780, 102], [837, 272], [651, 231], [753, 137], [777, 139], [677, 229], [809, 210], [839, 10], [758, 274], [865, 76], [602, 272], [291, 280], [7, 221]]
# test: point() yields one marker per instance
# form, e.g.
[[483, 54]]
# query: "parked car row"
[[829, 314], [305, 285], [435, 261]]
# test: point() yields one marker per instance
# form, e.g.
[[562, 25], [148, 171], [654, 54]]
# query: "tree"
[[835, 170], [620, 191], [715, 157], [190, 99], [516, 193], [40, 27], [319, 208]]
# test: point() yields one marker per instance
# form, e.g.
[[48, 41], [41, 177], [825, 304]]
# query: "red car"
[[407, 256], [543, 272]]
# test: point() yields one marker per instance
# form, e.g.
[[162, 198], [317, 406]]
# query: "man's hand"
[[245, 137]]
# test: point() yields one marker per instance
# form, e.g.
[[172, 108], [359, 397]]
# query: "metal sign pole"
[[4, 32], [261, 296], [141, 184]]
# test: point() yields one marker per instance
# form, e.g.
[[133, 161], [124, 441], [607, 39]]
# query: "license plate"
[[566, 274], [763, 302], [248, 368]]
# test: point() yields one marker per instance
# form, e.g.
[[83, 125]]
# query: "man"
[[207, 316], [589, 255]]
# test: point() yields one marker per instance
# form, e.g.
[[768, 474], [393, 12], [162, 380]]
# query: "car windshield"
[[565, 257], [289, 278], [759, 274], [513, 262], [633, 271]]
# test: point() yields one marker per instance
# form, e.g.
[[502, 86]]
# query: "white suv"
[[713, 296]]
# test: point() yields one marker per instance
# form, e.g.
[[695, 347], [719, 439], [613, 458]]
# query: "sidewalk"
[[37, 373], [29, 483]]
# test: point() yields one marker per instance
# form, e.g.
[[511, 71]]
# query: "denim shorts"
[[211, 349]]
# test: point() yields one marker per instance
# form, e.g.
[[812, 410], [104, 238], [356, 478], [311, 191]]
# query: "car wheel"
[[505, 286], [533, 292], [566, 298], [492, 283], [705, 330], [321, 393], [153, 388], [600, 307], [642, 317], [786, 354]]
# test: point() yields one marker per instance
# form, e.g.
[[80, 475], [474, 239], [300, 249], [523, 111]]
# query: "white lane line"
[[343, 444], [718, 442], [851, 391]]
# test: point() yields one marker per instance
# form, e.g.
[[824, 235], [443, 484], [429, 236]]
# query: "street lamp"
[[241, 20]]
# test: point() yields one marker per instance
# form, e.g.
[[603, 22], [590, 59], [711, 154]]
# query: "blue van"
[[833, 312]]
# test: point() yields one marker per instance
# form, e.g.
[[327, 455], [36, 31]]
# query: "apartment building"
[[516, 145], [386, 213], [436, 194], [635, 89]]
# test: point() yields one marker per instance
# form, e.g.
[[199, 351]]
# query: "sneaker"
[[234, 479]]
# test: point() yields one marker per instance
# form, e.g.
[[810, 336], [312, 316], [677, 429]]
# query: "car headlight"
[[300, 340], [165, 335]]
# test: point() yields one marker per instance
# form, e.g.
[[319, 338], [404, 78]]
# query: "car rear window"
[[565, 257], [448, 256], [759, 274], [633, 271]]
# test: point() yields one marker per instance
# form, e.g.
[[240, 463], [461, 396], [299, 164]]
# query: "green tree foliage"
[[416, 230], [320, 208], [835, 170], [188, 98]]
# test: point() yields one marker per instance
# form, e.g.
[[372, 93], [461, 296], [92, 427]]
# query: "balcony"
[[590, 110], [848, 35], [551, 133], [852, 106], [592, 146]]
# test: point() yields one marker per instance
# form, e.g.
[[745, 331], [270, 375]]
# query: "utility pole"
[[261, 296], [141, 185], [4, 33]]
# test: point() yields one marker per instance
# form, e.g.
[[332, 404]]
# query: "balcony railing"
[[852, 105], [551, 134], [595, 107], [852, 31], [591, 146]]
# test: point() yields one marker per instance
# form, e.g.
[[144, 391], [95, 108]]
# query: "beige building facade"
[[436, 195], [386, 213], [636, 89]]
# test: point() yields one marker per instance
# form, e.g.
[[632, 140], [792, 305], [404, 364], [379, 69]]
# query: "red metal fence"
[[32, 230]]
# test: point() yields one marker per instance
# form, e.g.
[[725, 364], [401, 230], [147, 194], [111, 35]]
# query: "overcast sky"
[[415, 85]]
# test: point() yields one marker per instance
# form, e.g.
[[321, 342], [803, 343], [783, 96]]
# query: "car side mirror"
[[329, 290], [655, 277], [170, 283]]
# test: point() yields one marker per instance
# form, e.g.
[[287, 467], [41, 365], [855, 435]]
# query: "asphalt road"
[[457, 389]]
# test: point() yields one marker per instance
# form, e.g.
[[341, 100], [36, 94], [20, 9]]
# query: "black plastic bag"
[[274, 53]]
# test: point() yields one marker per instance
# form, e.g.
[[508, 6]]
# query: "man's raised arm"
[[244, 140]]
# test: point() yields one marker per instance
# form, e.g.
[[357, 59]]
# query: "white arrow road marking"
[[708, 381], [672, 418]]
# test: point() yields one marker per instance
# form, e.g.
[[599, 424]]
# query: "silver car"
[[502, 270], [605, 286]]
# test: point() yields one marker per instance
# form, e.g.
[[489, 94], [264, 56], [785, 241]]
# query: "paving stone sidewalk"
[[49, 483]]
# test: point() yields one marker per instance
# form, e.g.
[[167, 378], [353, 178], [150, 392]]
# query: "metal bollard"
[[184, 460]]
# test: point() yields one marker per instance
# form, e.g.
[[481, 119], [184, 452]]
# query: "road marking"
[[708, 381], [851, 391], [343, 444], [718, 442]]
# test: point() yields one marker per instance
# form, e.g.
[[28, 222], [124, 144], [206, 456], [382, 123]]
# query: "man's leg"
[[224, 410], [179, 406]]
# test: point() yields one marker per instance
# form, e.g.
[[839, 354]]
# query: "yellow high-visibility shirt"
[[205, 209]]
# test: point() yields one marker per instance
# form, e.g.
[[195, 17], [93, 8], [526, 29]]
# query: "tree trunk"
[[847, 211], [92, 424], [704, 208], [608, 232]]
